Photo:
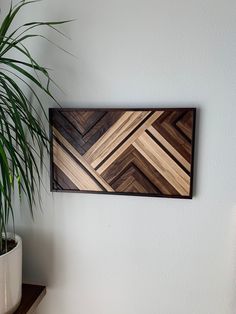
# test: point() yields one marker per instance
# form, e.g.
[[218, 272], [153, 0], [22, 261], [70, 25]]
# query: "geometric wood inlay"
[[123, 151]]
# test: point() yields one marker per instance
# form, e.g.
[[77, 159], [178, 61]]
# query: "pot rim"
[[18, 241]]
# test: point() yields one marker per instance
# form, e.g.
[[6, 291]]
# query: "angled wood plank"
[[82, 160], [129, 141], [163, 163], [166, 126], [114, 136], [72, 170], [170, 148]]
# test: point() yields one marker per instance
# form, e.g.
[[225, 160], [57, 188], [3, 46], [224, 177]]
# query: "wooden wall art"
[[123, 151]]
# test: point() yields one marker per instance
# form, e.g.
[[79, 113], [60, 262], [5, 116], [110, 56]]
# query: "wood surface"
[[31, 296], [138, 151]]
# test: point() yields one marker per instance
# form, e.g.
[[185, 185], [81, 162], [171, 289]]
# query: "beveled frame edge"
[[190, 196]]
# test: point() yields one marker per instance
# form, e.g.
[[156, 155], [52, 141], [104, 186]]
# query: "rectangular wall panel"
[[145, 152]]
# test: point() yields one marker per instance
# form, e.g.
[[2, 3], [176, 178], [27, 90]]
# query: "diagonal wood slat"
[[143, 151], [72, 170], [163, 163], [80, 159], [114, 136]]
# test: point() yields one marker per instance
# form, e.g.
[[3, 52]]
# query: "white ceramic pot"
[[11, 279]]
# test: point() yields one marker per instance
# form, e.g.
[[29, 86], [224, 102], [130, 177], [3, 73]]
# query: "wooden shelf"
[[31, 297]]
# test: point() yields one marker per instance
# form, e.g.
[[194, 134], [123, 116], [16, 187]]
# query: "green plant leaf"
[[23, 135]]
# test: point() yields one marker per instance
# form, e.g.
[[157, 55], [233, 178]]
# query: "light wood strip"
[[77, 155], [170, 148], [128, 121], [71, 169], [163, 163], [129, 141]]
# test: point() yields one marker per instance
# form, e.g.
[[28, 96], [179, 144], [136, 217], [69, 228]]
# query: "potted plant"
[[23, 140]]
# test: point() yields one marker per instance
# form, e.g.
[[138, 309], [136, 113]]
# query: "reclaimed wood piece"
[[81, 160], [114, 136], [31, 297], [123, 151]]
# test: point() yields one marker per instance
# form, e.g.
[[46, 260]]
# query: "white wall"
[[101, 254]]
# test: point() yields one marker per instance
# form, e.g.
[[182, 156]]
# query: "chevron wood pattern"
[[123, 151]]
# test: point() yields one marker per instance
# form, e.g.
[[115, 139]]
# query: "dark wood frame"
[[190, 196]]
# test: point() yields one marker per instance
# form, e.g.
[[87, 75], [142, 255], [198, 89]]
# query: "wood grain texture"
[[163, 163], [114, 136], [74, 171], [82, 161], [139, 152]]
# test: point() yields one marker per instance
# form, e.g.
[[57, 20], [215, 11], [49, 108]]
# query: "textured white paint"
[[127, 255]]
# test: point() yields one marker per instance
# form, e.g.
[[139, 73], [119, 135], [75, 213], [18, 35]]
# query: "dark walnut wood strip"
[[31, 296], [185, 124], [62, 180], [63, 125], [84, 129], [166, 126], [85, 121], [132, 156], [101, 126], [133, 180]]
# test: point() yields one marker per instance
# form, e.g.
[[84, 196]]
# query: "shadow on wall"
[[40, 270]]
